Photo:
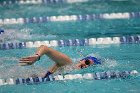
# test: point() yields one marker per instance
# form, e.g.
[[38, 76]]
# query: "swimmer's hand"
[[29, 60]]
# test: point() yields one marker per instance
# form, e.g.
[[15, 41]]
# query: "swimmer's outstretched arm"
[[59, 58]]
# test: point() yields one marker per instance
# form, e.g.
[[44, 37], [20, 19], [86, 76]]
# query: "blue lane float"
[[90, 76], [130, 39], [86, 17], [75, 42], [1, 31], [6, 46], [72, 42]]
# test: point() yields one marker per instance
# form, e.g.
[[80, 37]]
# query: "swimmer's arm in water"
[[51, 70], [59, 58]]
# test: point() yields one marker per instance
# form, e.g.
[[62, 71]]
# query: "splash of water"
[[14, 36], [23, 34], [9, 68], [110, 63]]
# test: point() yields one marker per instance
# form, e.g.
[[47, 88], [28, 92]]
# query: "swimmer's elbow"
[[43, 46]]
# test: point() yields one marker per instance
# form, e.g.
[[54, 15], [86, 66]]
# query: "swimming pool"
[[107, 29]]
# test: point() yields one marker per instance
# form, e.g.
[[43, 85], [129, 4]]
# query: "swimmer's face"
[[85, 63]]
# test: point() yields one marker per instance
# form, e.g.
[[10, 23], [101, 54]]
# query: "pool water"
[[117, 56]]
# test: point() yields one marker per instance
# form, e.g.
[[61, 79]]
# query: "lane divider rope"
[[72, 42], [126, 15], [23, 2], [90, 76]]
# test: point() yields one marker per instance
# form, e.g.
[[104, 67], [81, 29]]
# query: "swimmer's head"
[[85, 62], [93, 59]]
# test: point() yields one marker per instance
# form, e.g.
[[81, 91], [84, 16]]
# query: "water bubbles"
[[110, 63]]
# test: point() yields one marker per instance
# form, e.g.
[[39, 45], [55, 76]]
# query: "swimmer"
[[59, 58]]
